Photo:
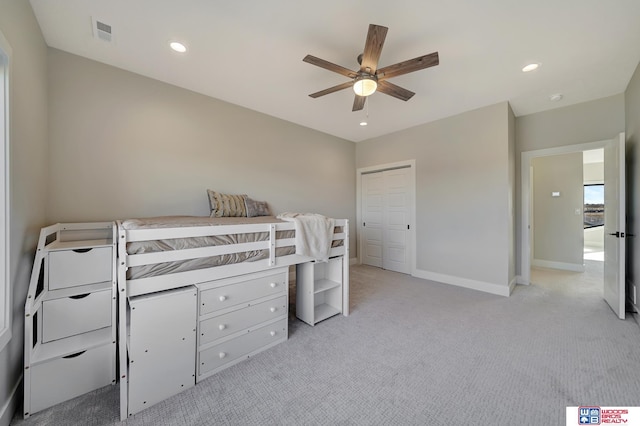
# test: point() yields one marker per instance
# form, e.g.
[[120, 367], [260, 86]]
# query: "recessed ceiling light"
[[556, 97], [363, 123], [530, 67], [178, 47]]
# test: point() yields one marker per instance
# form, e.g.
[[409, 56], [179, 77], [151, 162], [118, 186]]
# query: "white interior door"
[[614, 225], [372, 211], [386, 218], [396, 220]]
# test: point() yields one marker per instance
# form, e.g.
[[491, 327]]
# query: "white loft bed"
[[270, 248]]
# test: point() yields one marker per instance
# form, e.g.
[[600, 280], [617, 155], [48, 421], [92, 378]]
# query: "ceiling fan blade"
[[332, 89], [329, 66], [411, 65], [373, 48], [358, 103], [395, 91]]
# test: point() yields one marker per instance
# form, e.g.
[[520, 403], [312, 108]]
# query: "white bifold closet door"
[[386, 219]]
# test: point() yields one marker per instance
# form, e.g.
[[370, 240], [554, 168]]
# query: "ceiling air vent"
[[102, 31]]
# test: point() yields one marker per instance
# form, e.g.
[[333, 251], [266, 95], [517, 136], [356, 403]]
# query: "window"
[[5, 277], [593, 205]]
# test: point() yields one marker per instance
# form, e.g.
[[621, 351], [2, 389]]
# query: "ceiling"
[[250, 52]]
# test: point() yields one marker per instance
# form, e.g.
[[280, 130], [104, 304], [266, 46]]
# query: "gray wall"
[[593, 173], [123, 145], [558, 232], [632, 109], [593, 121], [462, 192], [28, 139]]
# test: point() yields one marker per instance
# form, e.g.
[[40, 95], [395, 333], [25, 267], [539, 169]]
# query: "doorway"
[[593, 205], [567, 210], [386, 215], [614, 258]]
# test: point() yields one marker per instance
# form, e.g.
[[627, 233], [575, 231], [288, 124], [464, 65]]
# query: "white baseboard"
[[520, 280], [10, 407], [500, 290], [513, 283], [575, 267]]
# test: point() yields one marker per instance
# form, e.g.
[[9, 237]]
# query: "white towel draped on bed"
[[314, 234]]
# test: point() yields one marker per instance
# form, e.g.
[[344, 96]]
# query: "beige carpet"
[[416, 352]]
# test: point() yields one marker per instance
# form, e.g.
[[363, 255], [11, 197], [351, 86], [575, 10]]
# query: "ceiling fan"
[[370, 78]]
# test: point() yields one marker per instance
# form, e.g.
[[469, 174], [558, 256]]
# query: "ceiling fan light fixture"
[[364, 82], [365, 85]]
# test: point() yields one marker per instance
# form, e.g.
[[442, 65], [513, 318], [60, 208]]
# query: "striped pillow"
[[226, 205]]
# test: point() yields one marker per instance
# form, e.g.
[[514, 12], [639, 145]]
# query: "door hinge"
[[408, 227], [364, 223]]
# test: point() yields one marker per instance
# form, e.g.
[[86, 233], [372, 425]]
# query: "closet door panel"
[[372, 217], [386, 201], [396, 220]]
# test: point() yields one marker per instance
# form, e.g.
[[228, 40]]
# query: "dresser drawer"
[[70, 268], [241, 292], [76, 314], [64, 378], [232, 322], [231, 350]]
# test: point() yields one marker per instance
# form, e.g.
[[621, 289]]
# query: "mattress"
[[154, 246]]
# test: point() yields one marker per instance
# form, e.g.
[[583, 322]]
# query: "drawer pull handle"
[[84, 250], [222, 355], [222, 298], [74, 355], [273, 333], [79, 296], [222, 327], [273, 285], [273, 309]]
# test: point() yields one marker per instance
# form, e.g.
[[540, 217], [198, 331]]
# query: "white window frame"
[[5, 275]]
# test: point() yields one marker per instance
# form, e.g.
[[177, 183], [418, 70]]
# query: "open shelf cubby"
[[319, 290]]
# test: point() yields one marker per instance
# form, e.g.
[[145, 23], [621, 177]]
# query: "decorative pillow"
[[256, 208], [226, 205]]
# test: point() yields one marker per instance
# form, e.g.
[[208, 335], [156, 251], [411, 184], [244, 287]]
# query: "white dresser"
[[239, 317]]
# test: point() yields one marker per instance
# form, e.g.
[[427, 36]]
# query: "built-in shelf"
[[324, 311], [324, 285], [79, 245], [319, 290], [70, 345], [71, 291]]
